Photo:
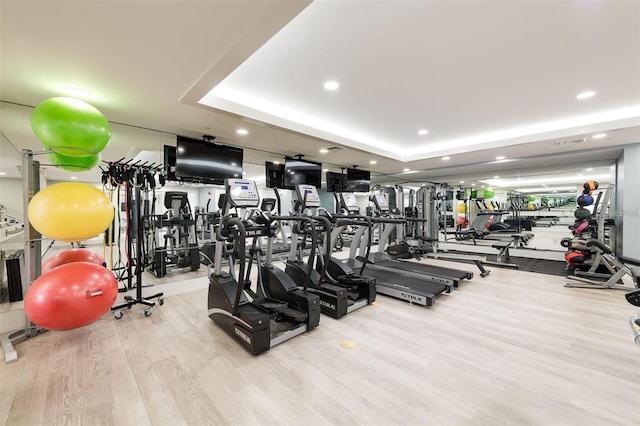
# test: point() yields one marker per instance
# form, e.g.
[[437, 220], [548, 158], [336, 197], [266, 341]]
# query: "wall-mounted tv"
[[206, 162], [274, 174], [170, 162], [358, 180], [336, 182], [302, 172]]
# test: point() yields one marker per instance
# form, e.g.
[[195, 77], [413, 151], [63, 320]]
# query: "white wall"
[[628, 202], [11, 197]]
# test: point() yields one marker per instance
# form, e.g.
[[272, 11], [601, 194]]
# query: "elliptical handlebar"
[[327, 238], [228, 222], [312, 254]]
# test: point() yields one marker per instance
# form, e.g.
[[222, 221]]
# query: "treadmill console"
[[381, 203], [242, 193], [350, 203], [308, 195]]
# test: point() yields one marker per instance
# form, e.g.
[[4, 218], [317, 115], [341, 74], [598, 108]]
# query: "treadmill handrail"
[[369, 222]]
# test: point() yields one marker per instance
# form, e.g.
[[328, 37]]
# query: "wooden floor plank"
[[513, 348]]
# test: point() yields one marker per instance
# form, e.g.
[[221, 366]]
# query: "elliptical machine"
[[340, 293], [262, 322]]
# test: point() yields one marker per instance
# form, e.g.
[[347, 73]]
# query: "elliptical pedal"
[[292, 314]]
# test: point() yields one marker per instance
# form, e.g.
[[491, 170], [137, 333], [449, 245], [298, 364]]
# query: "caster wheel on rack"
[[161, 301], [148, 312], [117, 315]]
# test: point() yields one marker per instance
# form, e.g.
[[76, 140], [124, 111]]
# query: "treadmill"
[[390, 281], [433, 273]]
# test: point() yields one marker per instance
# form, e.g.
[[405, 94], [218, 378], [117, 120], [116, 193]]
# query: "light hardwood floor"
[[515, 348]]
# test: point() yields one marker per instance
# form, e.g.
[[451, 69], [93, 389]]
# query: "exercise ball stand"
[[32, 261]]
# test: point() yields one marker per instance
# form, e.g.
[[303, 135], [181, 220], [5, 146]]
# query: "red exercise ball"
[[70, 256], [70, 296]]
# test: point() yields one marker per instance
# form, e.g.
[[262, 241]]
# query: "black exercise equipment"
[[267, 319], [390, 281], [341, 291]]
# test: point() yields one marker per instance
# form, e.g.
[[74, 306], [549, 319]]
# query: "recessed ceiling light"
[[423, 132], [406, 170], [461, 181], [590, 169], [599, 136], [73, 177], [324, 151], [473, 184], [446, 158], [331, 85], [373, 162], [500, 157], [496, 177], [242, 131], [586, 95]]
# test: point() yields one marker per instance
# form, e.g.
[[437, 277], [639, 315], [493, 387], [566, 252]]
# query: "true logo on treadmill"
[[328, 305], [411, 297], [242, 335]]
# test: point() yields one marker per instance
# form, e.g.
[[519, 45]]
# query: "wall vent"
[[571, 141]]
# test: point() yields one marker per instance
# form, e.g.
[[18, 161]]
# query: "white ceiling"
[[485, 78]]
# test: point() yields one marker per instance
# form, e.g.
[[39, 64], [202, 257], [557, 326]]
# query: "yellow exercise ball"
[[462, 207], [70, 211]]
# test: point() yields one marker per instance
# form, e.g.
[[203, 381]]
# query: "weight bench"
[[503, 254], [435, 254], [520, 239]]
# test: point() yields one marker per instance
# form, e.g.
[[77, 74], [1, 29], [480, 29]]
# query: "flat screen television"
[[299, 172], [336, 182], [170, 162], [206, 162], [274, 174], [358, 180]]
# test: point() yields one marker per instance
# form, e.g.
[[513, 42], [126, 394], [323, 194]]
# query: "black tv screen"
[[299, 172], [206, 162], [170, 162], [274, 174], [358, 180], [336, 182]]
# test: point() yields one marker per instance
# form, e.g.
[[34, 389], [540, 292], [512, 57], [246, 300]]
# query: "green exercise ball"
[[531, 198], [73, 164], [70, 127], [582, 213], [487, 193]]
